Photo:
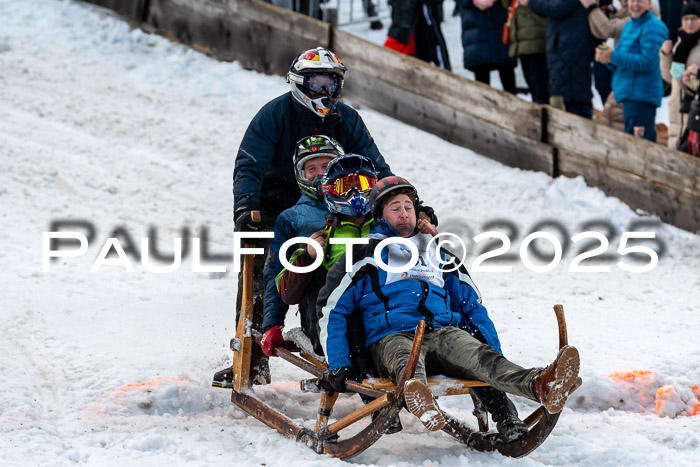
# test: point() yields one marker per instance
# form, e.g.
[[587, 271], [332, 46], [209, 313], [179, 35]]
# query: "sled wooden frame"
[[326, 438]]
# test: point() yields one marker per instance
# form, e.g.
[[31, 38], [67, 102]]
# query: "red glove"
[[271, 339]]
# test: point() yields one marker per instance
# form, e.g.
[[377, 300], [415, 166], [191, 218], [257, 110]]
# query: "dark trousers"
[[643, 114], [536, 76], [430, 43], [482, 73], [584, 109], [452, 352], [603, 80]]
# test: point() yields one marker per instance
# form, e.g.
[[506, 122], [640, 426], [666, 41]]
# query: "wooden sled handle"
[[561, 322], [255, 216]]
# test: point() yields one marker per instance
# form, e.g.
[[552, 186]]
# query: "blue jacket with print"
[[392, 303]]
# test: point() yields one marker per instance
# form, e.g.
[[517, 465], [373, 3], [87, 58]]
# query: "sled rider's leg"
[[459, 355], [390, 355], [502, 410], [259, 366], [462, 356]]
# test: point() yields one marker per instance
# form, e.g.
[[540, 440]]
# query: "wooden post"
[[331, 16], [244, 336]]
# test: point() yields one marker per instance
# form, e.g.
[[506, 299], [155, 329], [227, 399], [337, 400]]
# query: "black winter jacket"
[[570, 48], [263, 177]]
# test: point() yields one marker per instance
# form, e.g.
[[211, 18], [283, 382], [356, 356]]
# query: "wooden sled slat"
[[454, 386]]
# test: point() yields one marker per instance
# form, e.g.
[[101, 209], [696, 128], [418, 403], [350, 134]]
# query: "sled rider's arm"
[[292, 285], [336, 300], [254, 155]]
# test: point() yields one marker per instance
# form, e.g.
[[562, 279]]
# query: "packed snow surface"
[[135, 137]]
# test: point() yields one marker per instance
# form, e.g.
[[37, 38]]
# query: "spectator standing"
[[604, 27], [484, 50], [674, 60], [415, 30], [570, 48], [671, 15], [528, 42], [636, 72]]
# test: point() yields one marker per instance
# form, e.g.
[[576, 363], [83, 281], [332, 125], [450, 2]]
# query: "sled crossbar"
[[452, 386]]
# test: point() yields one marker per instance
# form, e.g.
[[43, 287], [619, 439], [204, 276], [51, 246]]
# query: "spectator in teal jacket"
[[636, 72]]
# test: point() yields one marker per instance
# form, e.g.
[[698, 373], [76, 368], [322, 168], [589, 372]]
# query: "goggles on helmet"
[[342, 186], [315, 83]]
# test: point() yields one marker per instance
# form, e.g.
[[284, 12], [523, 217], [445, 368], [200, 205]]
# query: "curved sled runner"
[[386, 398]]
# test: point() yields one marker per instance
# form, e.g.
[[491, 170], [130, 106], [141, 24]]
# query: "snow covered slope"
[[124, 131]]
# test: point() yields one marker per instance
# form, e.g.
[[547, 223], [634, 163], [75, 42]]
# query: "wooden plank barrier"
[[498, 125], [455, 108], [645, 175]]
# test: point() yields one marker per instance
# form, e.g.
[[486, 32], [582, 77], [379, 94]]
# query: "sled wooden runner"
[[387, 398]]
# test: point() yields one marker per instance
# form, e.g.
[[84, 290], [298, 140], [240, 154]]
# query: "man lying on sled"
[[346, 189], [460, 339]]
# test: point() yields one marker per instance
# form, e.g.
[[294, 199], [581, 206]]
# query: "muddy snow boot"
[[421, 403], [503, 412], [553, 384]]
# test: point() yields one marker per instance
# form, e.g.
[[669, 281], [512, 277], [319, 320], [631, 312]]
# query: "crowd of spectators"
[[636, 50], [633, 52]]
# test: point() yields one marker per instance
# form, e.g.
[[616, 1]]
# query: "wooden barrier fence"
[[498, 125]]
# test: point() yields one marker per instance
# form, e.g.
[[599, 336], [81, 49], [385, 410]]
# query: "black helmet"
[[389, 186], [311, 148], [347, 184], [314, 70]]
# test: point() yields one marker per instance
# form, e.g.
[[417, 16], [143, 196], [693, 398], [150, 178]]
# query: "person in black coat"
[[263, 176], [415, 30], [482, 40], [570, 47]]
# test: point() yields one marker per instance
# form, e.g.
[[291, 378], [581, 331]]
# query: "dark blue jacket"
[[263, 177], [570, 48], [391, 302], [482, 32], [635, 60], [301, 220]]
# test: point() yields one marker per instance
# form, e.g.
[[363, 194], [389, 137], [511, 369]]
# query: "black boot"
[[502, 411], [223, 378], [394, 425]]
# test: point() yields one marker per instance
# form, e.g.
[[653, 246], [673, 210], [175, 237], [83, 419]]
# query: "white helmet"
[[313, 71]]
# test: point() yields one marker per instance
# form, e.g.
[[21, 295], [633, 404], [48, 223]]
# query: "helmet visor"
[[315, 83], [342, 186]]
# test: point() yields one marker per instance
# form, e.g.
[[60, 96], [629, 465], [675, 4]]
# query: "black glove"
[[337, 377], [244, 222], [430, 212]]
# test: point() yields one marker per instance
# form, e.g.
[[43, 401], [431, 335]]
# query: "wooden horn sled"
[[386, 397]]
